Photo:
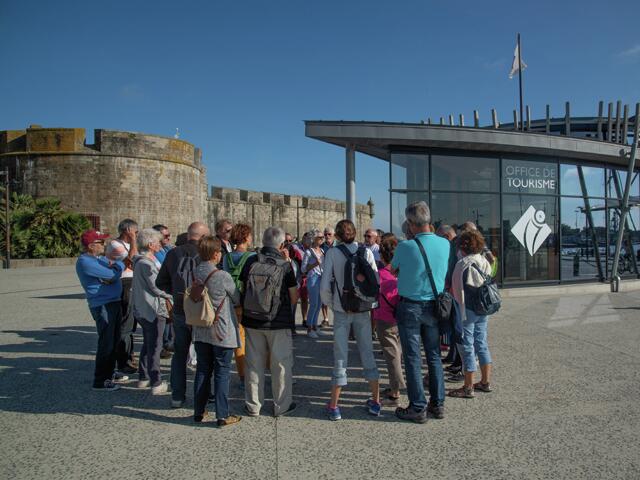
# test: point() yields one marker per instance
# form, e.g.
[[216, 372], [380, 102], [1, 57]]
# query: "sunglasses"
[[328, 234], [368, 236], [168, 235]]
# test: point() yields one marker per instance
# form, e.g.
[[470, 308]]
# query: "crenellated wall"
[[295, 214], [151, 179]]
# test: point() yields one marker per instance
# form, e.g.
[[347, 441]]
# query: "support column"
[[351, 183]]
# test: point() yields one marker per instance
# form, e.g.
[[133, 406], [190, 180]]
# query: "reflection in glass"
[[570, 181], [483, 209], [399, 201], [616, 181], [626, 263], [578, 252], [531, 252], [409, 171], [457, 173], [520, 176]]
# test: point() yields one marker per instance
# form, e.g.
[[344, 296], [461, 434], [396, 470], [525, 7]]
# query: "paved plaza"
[[566, 403]]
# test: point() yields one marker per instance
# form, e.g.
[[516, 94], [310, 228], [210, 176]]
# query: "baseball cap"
[[91, 236]]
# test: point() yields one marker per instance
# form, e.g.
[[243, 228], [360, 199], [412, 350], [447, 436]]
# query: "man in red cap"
[[100, 279]]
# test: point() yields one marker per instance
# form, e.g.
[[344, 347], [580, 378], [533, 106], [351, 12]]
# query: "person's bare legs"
[[485, 370], [375, 390], [335, 396], [468, 379], [304, 309]]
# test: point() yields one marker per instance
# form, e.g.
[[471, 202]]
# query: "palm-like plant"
[[43, 229]]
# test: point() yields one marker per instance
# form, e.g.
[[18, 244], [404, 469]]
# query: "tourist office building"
[[546, 198]]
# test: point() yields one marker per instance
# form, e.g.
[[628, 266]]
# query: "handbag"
[[486, 299], [198, 307], [443, 302]]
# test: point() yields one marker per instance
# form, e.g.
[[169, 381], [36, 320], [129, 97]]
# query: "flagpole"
[[520, 82]]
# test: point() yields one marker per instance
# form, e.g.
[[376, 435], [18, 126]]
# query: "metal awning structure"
[[378, 139]]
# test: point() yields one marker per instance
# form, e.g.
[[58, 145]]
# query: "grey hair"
[[329, 230], [273, 237], [126, 224], [315, 233], [146, 237], [406, 231], [418, 213]]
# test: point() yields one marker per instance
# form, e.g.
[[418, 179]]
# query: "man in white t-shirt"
[[370, 240], [124, 248]]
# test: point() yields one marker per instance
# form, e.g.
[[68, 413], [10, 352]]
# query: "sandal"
[[483, 387], [462, 392]]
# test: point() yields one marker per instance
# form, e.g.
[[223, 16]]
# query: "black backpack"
[[186, 272], [263, 287], [485, 299], [361, 285]]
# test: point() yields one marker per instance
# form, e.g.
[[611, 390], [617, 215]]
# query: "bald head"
[[446, 231], [197, 230], [370, 236]]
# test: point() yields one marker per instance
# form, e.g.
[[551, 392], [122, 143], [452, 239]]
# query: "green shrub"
[[42, 228]]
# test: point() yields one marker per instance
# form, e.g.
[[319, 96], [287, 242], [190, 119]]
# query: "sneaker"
[[374, 408], [178, 403], [143, 384], [205, 417], [453, 368], [159, 389], [325, 323], [304, 323], [230, 420], [462, 392], [435, 411], [411, 415], [333, 413], [389, 401], [128, 369], [249, 412], [483, 387], [291, 408], [107, 386], [455, 378], [312, 334], [120, 377]]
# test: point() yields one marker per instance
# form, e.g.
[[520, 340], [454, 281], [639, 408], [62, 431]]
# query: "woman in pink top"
[[386, 325]]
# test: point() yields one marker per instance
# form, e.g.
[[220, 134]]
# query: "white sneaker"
[[143, 384], [159, 389], [120, 377], [312, 334]]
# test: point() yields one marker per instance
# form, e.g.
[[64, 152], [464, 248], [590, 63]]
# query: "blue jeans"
[[181, 343], [417, 325], [361, 323], [108, 318], [315, 303], [216, 360], [474, 341]]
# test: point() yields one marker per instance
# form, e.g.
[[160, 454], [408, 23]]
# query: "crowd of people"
[[383, 289]]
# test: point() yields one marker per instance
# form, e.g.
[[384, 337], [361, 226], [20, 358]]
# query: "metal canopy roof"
[[378, 139]]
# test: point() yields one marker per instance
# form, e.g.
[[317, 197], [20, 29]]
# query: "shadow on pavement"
[[52, 373]]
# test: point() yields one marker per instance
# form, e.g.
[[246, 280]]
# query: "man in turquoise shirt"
[[416, 322]]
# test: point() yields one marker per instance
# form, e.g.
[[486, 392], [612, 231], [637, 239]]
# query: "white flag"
[[515, 66]]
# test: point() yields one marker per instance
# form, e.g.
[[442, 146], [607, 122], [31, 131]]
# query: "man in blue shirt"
[[101, 281], [416, 321]]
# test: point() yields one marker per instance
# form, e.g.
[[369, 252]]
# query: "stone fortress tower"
[[151, 179]]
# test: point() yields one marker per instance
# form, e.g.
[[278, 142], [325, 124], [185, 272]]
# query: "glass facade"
[[545, 219]]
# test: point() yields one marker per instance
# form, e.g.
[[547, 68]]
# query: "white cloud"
[[633, 52]]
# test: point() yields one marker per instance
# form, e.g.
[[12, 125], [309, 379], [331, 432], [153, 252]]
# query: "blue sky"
[[238, 78]]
